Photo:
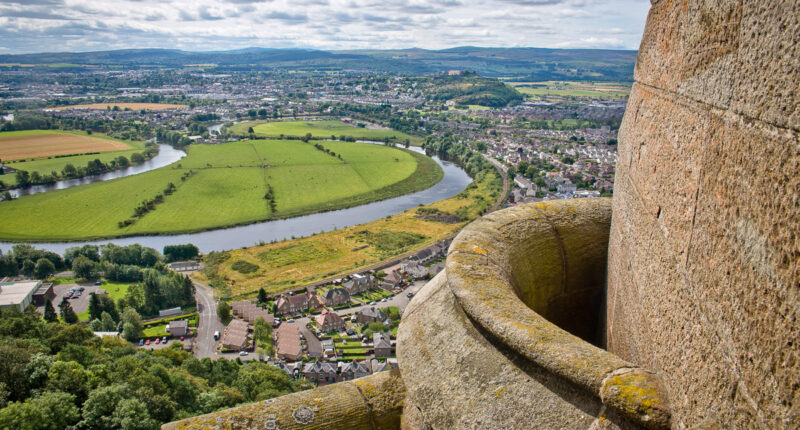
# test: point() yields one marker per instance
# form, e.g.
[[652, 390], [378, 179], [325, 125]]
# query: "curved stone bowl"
[[485, 334]]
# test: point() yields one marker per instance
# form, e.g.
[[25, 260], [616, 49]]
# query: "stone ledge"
[[474, 330], [371, 403]]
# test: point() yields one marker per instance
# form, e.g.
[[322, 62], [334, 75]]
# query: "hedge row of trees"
[[55, 376]]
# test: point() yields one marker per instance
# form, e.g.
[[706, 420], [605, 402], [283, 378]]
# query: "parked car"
[[371, 303], [147, 342], [383, 300], [158, 340], [410, 295], [98, 283], [164, 340], [141, 342], [181, 338], [81, 289], [68, 296], [243, 353], [290, 320], [216, 335]]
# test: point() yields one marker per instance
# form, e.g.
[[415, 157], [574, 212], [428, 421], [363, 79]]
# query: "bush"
[[244, 267]]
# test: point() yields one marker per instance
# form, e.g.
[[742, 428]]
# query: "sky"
[[28, 26]]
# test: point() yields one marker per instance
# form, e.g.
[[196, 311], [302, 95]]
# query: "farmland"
[[34, 144], [574, 89], [229, 182], [123, 106], [321, 129], [290, 264]]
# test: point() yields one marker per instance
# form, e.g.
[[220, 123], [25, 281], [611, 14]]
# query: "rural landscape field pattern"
[[223, 185]]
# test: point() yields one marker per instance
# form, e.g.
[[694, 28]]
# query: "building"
[[18, 295], [359, 283], [250, 312], [178, 328], [321, 373], [353, 370], [291, 305], [370, 315], [336, 297], [44, 292], [235, 336], [329, 321], [382, 342], [287, 342]]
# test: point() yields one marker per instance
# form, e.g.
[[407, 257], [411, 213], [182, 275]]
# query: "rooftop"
[[15, 293]]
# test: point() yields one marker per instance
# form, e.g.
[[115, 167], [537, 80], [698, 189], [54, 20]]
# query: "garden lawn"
[[220, 186]]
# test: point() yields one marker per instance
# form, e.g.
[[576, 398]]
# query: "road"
[[204, 343]]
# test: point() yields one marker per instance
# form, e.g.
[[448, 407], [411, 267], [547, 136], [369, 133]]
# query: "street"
[[208, 323]]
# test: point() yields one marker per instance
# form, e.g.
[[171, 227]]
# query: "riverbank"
[[296, 263]]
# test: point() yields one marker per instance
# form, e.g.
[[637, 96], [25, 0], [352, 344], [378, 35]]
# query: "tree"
[[50, 411], [262, 295], [43, 269], [82, 267], [131, 325], [262, 332], [108, 323], [95, 308], [67, 313], [28, 267], [23, 178], [224, 311], [49, 312]]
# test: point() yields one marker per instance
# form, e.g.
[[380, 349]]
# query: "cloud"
[[40, 25]]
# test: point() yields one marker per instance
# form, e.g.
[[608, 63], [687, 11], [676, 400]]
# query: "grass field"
[[230, 182], [342, 251], [123, 106], [573, 89], [321, 129], [34, 144]]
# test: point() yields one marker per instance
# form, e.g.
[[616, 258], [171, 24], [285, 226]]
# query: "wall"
[[704, 255]]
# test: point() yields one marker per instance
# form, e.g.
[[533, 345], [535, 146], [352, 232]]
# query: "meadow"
[[322, 129], [573, 89], [36, 144], [293, 263], [123, 106], [222, 185]]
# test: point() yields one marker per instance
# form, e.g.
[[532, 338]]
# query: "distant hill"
[[520, 63]]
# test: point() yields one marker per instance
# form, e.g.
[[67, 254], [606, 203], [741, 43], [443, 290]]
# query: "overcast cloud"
[[202, 25]]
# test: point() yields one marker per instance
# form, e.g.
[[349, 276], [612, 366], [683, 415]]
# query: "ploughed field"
[[123, 106], [222, 185], [322, 129], [20, 145], [74, 148]]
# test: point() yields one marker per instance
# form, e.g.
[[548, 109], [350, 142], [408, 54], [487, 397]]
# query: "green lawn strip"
[[236, 193]]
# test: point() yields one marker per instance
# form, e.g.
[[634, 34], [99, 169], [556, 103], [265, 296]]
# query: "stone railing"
[[487, 343], [371, 403]]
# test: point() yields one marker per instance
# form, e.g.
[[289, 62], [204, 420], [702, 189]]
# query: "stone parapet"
[[371, 403], [479, 346]]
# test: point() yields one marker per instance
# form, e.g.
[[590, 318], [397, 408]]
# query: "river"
[[454, 181], [166, 156]]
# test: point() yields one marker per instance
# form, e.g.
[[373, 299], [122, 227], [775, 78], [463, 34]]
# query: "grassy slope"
[[321, 129], [333, 253], [47, 165], [227, 188]]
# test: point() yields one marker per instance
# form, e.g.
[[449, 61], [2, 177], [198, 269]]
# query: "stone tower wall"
[[704, 254]]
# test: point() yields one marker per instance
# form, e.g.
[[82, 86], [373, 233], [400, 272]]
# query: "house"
[[392, 280], [375, 366], [566, 188], [290, 305], [336, 297], [415, 270], [353, 370], [382, 343], [321, 373], [178, 328], [359, 283], [370, 315], [287, 342], [250, 312], [329, 321], [235, 336]]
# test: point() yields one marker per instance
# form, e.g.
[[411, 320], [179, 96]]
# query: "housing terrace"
[[235, 335], [288, 346]]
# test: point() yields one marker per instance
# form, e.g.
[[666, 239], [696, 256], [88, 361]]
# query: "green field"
[[222, 185], [53, 164], [321, 129], [574, 89]]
